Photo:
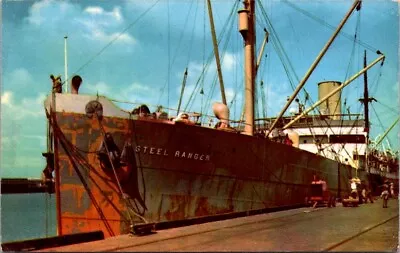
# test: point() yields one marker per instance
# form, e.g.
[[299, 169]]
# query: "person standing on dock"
[[391, 190], [368, 194], [385, 196]]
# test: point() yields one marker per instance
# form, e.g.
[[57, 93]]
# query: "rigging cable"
[[225, 30], [87, 188], [356, 34], [378, 118], [89, 168], [131, 132], [388, 107], [203, 55], [278, 46], [326, 24], [169, 55], [178, 47], [116, 38], [284, 58], [377, 78], [123, 195], [205, 69]]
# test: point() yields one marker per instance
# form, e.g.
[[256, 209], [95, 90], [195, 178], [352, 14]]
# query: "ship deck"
[[368, 227]]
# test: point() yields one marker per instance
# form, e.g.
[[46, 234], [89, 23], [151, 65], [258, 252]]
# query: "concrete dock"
[[368, 227]]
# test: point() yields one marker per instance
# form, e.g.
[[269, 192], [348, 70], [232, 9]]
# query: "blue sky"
[[156, 43]]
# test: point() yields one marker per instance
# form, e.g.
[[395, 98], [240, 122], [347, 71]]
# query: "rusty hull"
[[181, 171]]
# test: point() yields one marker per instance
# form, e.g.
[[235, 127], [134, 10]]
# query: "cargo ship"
[[115, 169]]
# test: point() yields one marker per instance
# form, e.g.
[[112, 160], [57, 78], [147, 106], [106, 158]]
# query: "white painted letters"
[[178, 153]]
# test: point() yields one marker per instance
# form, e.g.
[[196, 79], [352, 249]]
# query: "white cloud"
[[100, 35], [276, 97], [99, 11], [134, 93], [100, 87], [138, 93], [94, 10], [23, 109], [229, 62], [94, 22], [231, 93], [6, 98], [137, 87], [100, 23], [116, 13], [48, 10], [36, 16]]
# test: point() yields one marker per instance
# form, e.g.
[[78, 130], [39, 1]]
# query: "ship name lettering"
[[178, 153], [194, 156], [151, 150]]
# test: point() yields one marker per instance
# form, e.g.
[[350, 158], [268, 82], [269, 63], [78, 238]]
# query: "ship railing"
[[200, 119]]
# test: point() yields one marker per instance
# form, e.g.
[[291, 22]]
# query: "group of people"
[[362, 190], [365, 194], [385, 161], [143, 111]]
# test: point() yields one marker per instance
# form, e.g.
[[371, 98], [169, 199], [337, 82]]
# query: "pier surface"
[[25, 185], [368, 227]]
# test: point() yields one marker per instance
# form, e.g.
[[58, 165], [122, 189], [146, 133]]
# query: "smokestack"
[[332, 106]]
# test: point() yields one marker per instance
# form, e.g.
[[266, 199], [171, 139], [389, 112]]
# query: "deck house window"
[[347, 138]]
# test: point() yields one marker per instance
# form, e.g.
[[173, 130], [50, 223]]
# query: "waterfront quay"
[[25, 185], [369, 227]]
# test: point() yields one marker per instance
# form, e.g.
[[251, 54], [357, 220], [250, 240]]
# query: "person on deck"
[[288, 141], [184, 118]]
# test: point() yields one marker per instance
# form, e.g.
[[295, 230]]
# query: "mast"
[[380, 58], [247, 30], [216, 52], [182, 90], [65, 64], [366, 100], [356, 4]]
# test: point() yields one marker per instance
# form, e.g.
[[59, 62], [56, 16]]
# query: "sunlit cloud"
[[229, 61], [138, 87], [6, 98], [100, 35], [36, 16], [94, 10], [100, 87], [48, 10], [23, 109], [115, 14], [93, 22]]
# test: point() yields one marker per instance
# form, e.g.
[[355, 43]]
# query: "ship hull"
[[176, 171]]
